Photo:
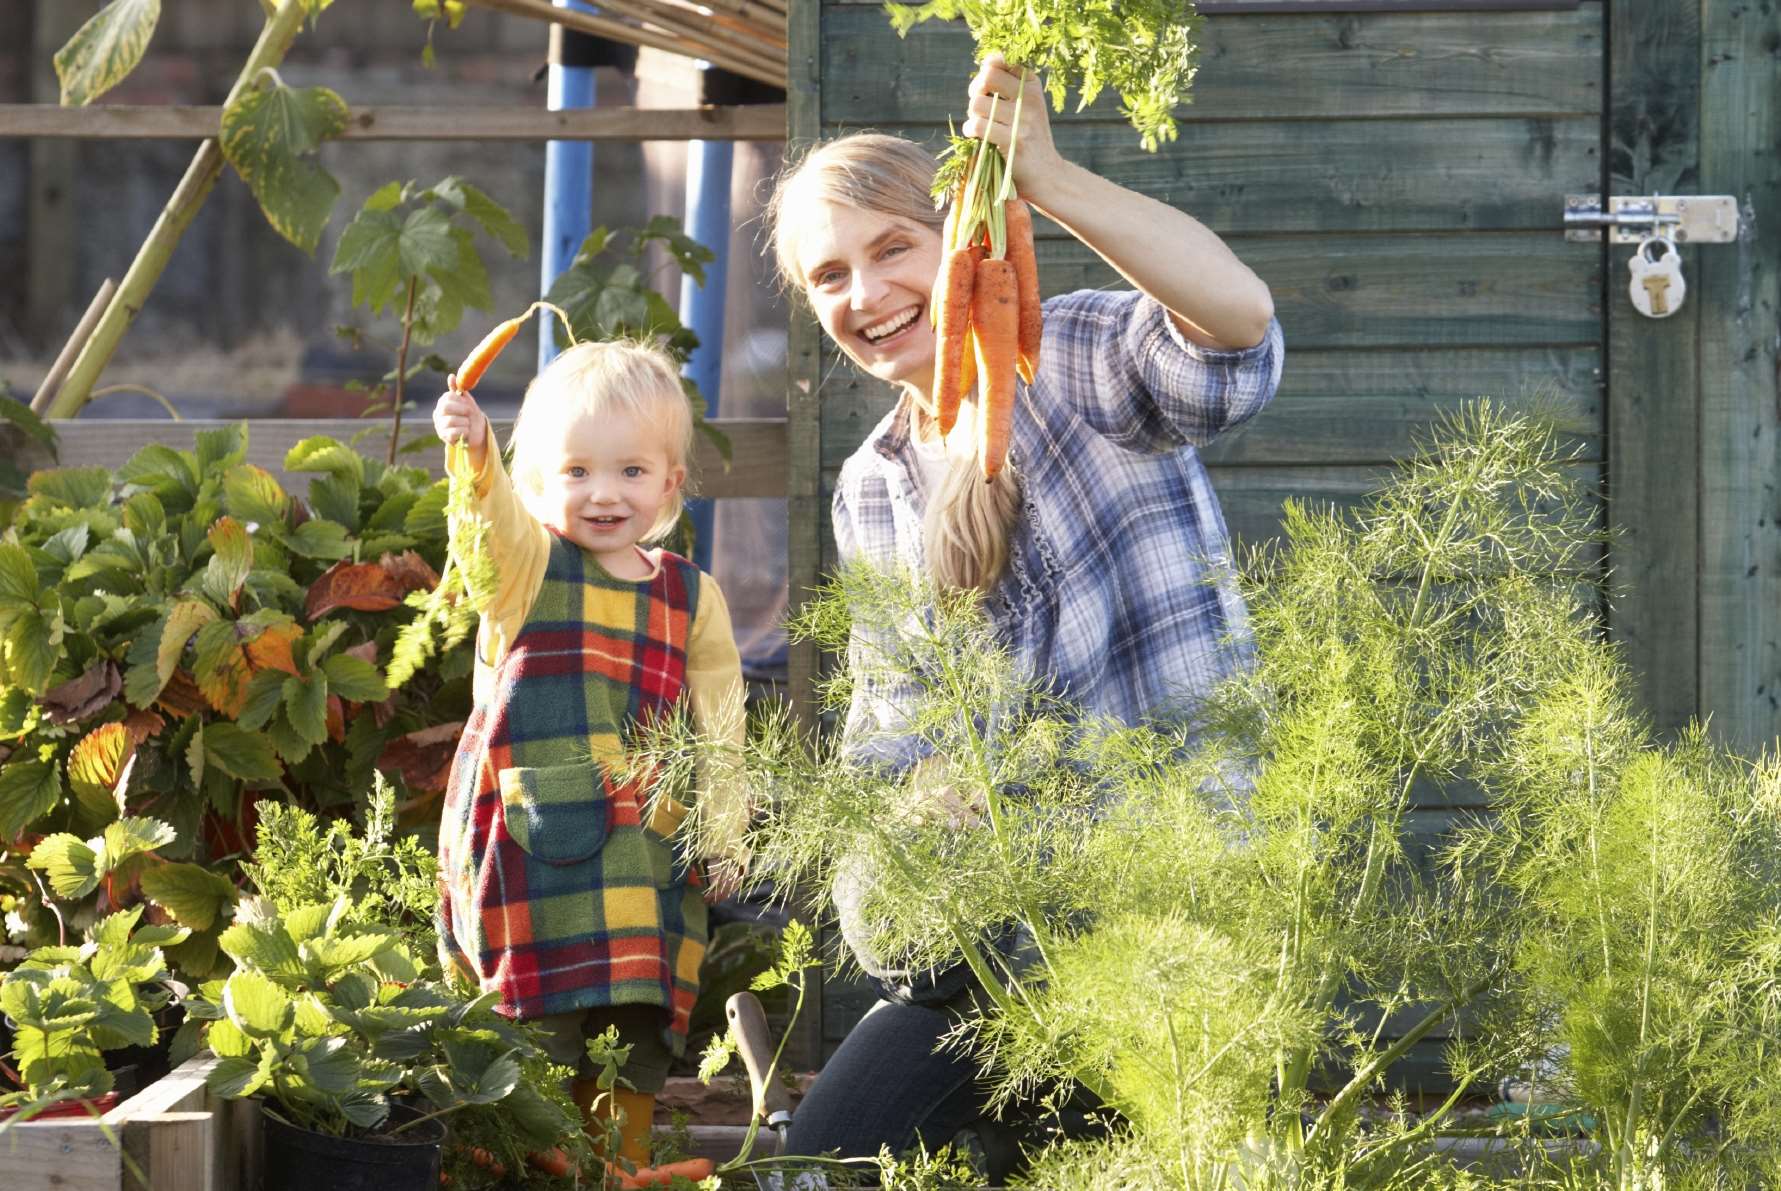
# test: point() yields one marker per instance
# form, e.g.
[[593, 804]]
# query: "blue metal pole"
[[568, 186], [708, 167]]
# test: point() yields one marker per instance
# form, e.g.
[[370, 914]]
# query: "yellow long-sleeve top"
[[520, 546]]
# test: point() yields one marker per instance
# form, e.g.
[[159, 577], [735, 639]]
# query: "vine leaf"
[[270, 136], [105, 50]]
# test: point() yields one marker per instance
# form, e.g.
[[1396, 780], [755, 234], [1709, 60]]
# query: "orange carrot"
[[1026, 273], [488, 1161], [952, 290], [479, 359], [660, 1176], [995, 306], [552, 1161], [947, 231]]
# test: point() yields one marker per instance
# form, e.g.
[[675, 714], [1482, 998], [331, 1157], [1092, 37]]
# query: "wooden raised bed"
[[758, 451], [174, 1134]]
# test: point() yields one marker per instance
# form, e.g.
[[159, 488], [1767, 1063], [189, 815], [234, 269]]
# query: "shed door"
[[1694, 401]]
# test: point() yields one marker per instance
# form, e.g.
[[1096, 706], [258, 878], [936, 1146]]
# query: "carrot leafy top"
[[1146, 50]]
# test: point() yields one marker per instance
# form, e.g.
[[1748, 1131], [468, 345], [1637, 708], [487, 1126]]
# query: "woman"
[[1093, 550]]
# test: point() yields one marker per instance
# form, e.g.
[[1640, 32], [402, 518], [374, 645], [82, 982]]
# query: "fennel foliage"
[[1236, 920]]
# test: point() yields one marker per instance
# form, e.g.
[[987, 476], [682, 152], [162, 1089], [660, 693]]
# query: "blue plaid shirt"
[[1117, 590]]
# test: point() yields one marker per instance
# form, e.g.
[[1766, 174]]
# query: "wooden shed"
[[1397, 171]]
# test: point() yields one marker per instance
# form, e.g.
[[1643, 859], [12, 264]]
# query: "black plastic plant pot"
[[296, 1159]]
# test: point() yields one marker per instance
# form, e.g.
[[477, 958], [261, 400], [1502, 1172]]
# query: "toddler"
[[561, 891]]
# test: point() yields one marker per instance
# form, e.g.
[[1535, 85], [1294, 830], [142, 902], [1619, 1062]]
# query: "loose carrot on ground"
[[1026, 273], [952, 302], [552, 1161], [995, 320], [660, 1176]]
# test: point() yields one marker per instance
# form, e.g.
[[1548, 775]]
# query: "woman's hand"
[[724, 875], [998, 85], [457, 418]]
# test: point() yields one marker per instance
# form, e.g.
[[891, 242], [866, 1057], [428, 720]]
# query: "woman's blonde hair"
[[965, 532], [620, 376]]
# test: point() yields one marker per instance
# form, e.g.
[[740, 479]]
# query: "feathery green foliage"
[[1648, 956], [1221, 906]]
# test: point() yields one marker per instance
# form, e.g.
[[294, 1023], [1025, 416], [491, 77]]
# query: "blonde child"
[[561, 892]]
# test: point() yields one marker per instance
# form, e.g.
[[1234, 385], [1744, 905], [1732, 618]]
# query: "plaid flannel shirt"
[[1117, 590]]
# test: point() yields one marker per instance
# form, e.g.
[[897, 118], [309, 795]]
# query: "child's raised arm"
[[515, 540]]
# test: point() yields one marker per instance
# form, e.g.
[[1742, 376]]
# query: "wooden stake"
[[83, 330]]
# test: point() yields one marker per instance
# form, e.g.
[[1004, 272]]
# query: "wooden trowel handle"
[[749, 1022]]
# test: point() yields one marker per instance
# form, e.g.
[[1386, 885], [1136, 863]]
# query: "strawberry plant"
[[184, 638]]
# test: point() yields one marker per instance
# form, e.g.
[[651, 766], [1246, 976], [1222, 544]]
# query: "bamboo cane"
[[767, 19], [83, 330], [151, 259], [537, 10], [730, 15], [701, 31]]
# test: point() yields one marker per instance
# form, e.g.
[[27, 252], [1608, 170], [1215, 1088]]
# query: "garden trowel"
[[748, 1021]]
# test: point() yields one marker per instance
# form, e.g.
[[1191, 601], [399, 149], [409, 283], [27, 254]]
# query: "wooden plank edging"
[[742, 122], [758, 467], [174, 1131]]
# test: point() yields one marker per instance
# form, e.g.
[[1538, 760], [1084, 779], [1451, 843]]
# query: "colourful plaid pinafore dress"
[[553, 891]]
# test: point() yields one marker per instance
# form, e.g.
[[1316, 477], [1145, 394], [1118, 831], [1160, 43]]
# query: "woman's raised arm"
[[1214, 298]]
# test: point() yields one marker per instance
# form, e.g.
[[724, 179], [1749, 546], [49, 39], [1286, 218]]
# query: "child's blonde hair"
[[968, 523], [619, 376]]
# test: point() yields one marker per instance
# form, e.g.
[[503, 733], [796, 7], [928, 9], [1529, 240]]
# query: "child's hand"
[[457, 418]]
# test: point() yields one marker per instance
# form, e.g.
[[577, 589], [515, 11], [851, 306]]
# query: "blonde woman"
[[1095, 551]]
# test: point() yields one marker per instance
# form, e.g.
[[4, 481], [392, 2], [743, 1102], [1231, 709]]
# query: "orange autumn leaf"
[[409, 570], [97, 764], [336, 719], [144, 724], [181, 696], [224, 683], [271, 650], [362, 586]]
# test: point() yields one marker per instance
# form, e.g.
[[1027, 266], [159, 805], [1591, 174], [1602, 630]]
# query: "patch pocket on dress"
[[556, 813]]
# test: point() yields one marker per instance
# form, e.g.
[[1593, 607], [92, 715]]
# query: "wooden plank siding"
[[1263, 67], [1397, 178], [1740, 377], [1654, 145]]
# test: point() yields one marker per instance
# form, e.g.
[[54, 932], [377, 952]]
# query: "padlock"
[[1657, 287]]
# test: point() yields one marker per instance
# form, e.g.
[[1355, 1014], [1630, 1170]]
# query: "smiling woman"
[[1099, 551]]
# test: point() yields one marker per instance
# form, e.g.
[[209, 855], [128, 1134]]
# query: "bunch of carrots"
[[986, 299]]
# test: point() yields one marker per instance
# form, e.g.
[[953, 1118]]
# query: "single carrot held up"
[[996, 324], [1026, 274], [484, 353]]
